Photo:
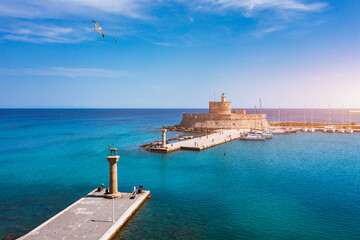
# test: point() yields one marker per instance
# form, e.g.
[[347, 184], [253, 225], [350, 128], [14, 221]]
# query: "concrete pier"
[[89, 218], [201, 143]]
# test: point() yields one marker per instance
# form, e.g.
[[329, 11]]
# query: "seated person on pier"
[[100, 188], [140, 188]]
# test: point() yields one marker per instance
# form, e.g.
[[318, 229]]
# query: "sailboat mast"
[[329, 115], [255, 117], [304, 116], [273, 115], [312, 115], [350, 116], [279, 117], [261, 116], [342, 116]]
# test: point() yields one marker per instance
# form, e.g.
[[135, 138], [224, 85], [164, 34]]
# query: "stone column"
[[113, 184], [163, 137]]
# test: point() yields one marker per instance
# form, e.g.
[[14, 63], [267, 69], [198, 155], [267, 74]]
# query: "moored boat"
[[329, 129], [278, 132], [267, 135], [252, 137], [293, 130], [349, 130], [340, 130]]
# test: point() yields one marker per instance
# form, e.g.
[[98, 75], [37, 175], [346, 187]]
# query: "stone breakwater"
[[204, 131], [198, 131], [315, 124]]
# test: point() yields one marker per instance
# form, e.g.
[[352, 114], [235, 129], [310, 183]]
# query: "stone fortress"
[[221, 117]]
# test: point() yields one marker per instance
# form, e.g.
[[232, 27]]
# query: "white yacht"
[[329, 129], [291, 130], [252, 137], [340, 130], [267, 135], [349, 130], [312, 129], [304, 129], [278, 132]]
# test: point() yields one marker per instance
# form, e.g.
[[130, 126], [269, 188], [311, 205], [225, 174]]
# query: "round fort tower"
[[222, 107]]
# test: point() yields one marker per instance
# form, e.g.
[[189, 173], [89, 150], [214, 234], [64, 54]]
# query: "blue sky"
[[179, 53]]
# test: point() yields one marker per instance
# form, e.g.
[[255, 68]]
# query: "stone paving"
[[89, 218]]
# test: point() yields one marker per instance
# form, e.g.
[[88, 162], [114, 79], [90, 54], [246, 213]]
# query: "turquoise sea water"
[[297, 186]]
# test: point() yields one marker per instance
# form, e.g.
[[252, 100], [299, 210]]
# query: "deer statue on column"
[[112, 150]]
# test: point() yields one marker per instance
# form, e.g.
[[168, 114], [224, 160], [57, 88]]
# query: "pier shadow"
[[94, 196], [94, 220]]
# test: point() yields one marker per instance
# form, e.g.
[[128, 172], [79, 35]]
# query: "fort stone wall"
[[220, 117], [223, 121], [220, 107]]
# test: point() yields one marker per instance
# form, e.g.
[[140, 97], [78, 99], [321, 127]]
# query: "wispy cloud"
[[57, 21], [271, 15], [165, 44], [253, 5], [38, 33], [65, 72], [59, 8], [138, 8], [264, 31], [33, 21]]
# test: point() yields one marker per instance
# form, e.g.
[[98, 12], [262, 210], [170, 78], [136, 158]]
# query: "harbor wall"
[[223, 121], [315, 124]]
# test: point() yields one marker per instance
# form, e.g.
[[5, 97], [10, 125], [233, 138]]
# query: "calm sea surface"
[[298, 186]]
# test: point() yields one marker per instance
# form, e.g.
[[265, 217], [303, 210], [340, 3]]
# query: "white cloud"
[[30, 32], [264, 31], [41, 29], [165, 44], [251, 5], [137, 8], [33, 21], [59, 8], [63, 71]]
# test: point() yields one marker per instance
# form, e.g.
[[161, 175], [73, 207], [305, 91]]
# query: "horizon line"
[[79, 108]]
